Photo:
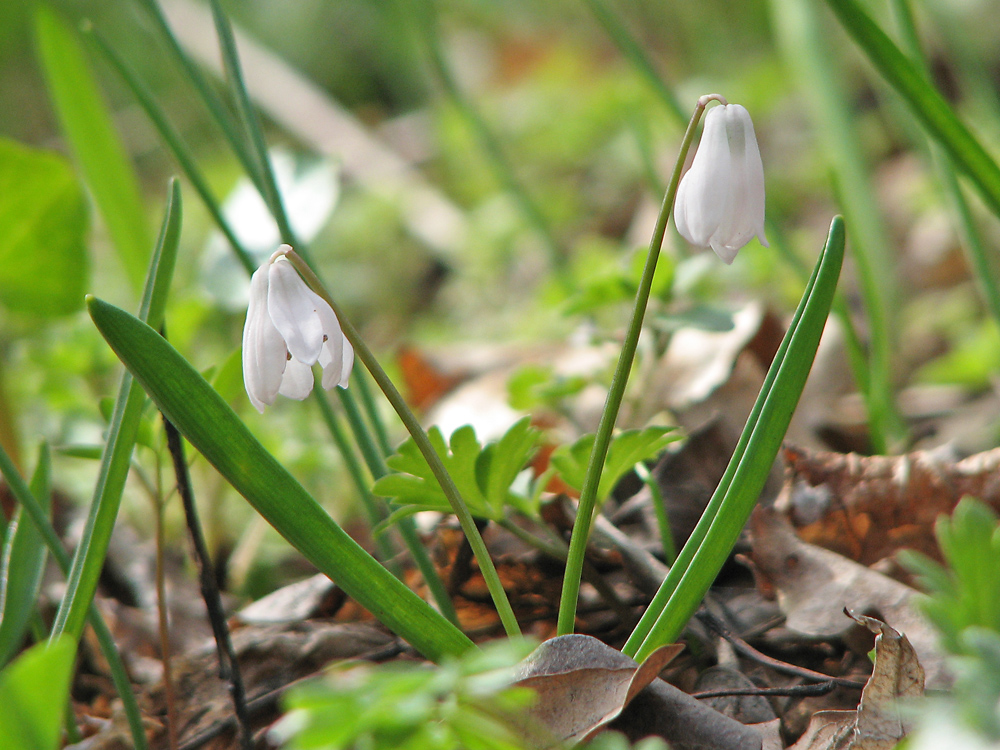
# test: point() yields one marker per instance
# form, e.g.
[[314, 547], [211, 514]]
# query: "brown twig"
[[745, 649], [821, 688], [228, 667]]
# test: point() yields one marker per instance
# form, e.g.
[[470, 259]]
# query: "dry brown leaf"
[[897, 676], [868, 507], [813, 586], [877, 723], [582, 684]]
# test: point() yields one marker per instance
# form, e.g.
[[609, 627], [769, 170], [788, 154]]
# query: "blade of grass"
[[23, 564], [250, 124], [972, 243], [95, 144], [371, 409], [28, 689], [209, 97], [373, 509], [174, 143], [38, 517], [215, 430], [804, 43], [929, 107], [709, 546], [115, 460]]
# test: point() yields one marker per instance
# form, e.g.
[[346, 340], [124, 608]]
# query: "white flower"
[[720, 201], [289, 328]]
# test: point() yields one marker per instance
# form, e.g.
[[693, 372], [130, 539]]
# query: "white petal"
[[746, 187], [297, 382], [292, 307], [337, 357], [264, 353], [345, 370], [703, 197]]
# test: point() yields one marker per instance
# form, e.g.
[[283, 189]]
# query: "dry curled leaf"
[[877, 724], [897, 676]]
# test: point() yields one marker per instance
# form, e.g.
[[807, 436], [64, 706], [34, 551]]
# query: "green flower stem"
[[632, 50], [107, 644], [588, 494], [487, 139], [420, 439], [972, 242]]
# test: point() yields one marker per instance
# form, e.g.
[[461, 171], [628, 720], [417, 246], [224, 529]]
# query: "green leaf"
[[94, 141], [33, 694], [43, 224], [483, 475], [709, 545], [22, 565], [215, 430], [933, 111], [626, 450], [88, 560], [967, 593]]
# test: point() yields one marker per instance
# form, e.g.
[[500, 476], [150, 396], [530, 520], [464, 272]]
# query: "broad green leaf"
[[43, 225], [94, 141], [33, 694], [215, 430], [626, 450], [713, 538], [22, 565], [483, 475]]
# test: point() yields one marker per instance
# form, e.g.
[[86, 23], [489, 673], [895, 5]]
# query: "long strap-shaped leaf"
[[214, 429], [927, 104], [704, 553]]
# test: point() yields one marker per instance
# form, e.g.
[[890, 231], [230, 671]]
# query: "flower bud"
[[720, 201]]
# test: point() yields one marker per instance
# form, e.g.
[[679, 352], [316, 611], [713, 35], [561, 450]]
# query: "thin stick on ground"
[[228, 667]]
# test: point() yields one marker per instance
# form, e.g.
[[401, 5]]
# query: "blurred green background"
[[589, 139]]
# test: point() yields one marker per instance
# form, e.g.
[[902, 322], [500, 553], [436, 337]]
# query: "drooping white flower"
[[289, 328], [720, 201]]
